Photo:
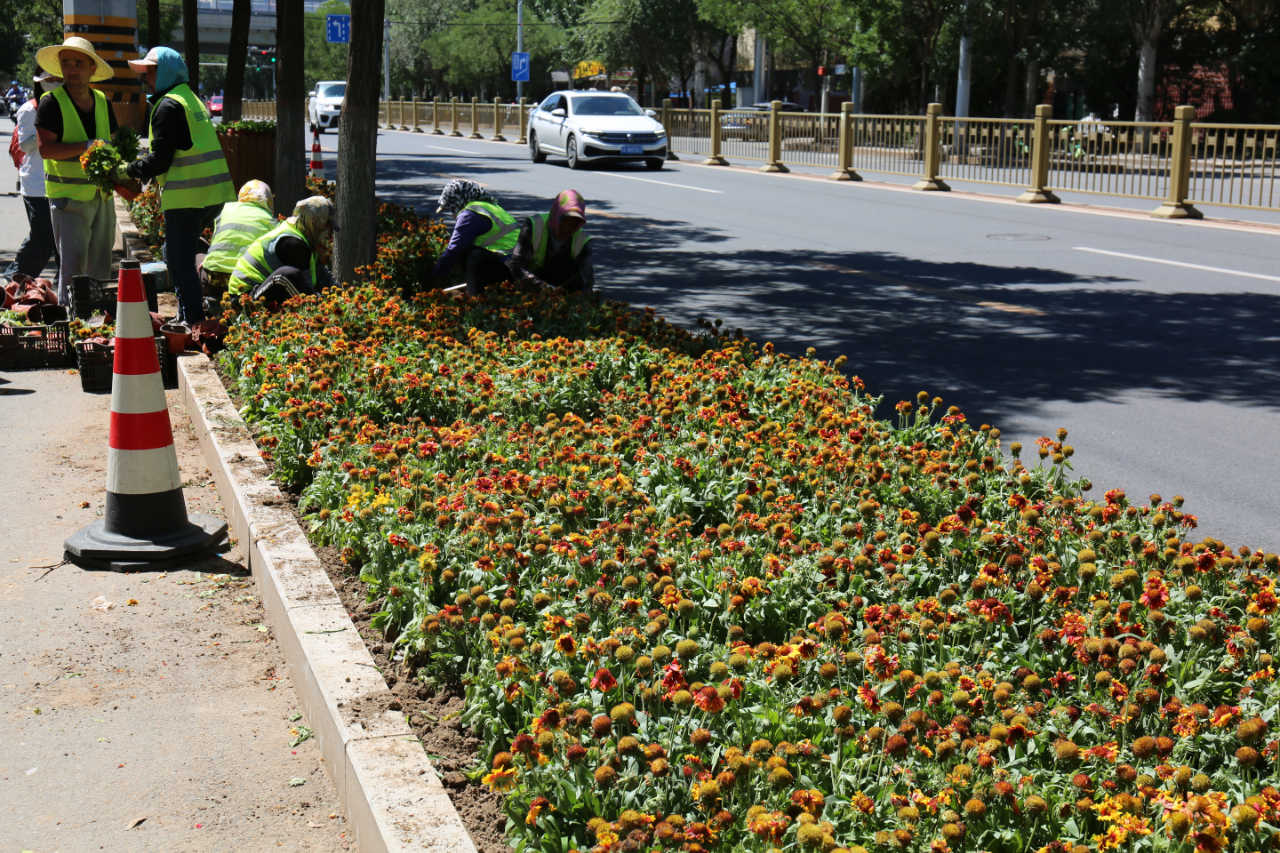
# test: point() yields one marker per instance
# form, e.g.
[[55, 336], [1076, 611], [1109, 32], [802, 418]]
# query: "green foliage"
[[324, 61], [25, 27]]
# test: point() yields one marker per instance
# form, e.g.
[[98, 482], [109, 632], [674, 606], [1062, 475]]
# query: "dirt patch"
[[432, 712]]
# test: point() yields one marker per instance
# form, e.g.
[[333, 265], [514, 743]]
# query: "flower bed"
[[701, 598]]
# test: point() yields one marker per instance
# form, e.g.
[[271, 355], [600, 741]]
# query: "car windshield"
[[332, 90], [606, 105]]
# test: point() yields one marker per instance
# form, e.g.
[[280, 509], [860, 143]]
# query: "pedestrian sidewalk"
[[140, 711]]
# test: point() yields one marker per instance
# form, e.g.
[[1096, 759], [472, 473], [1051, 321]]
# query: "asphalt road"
[[1156, 344]]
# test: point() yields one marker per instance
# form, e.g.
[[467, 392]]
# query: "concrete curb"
[[392, 795]]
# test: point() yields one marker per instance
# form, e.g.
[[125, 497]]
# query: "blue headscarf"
[[170, 68]]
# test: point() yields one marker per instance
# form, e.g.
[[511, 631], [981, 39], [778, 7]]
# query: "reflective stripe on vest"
[[260, 259], [239, 224], [542, 239], [198, 176], [66, 178], [504, 230]]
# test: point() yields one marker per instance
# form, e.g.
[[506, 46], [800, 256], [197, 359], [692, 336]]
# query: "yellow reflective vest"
[[198, 176], [504, 230], [542, 238], [260, 259], [66, 178], [239, 224]]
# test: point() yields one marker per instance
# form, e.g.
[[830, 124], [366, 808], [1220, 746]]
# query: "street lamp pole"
[[519, 42]]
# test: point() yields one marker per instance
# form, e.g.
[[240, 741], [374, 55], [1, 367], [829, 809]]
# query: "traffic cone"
[[316, 165], [145, 524]]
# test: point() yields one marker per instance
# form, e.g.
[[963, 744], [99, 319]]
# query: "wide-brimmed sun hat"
[[47, 58]]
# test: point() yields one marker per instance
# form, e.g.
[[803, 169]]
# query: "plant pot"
[[250, 155], [178, 335]]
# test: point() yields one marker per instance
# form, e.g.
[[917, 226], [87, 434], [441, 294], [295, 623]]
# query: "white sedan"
[[586, 127]]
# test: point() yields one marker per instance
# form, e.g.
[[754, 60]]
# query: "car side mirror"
[[651, 113], [559, 111]]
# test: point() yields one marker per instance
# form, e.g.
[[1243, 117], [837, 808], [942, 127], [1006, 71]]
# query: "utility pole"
[[386, 60], [519, 42]]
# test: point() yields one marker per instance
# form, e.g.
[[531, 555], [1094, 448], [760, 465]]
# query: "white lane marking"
[[454, 150], [1222, 270], [662, 183]]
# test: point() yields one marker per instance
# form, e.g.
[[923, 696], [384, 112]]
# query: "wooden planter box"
[[250, 155]]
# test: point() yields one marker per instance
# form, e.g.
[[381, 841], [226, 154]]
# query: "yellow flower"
[[500, 778]]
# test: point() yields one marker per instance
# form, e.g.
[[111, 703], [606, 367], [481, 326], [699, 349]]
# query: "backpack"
[[15, 151]]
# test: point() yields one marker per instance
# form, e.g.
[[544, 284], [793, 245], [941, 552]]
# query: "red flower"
[[604, 680], [708, 699]]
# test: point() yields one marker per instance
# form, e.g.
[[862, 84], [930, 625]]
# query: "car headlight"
[[660, 132], [592, 132]]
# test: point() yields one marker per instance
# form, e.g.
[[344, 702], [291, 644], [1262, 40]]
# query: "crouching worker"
[[483, 234], [239, 224], [290, 258], [552, 250]]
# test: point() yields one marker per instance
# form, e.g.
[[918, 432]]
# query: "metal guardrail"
[[1180, 163]]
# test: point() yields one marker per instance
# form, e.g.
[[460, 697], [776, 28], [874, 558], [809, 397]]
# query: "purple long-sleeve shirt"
[[468, 227]]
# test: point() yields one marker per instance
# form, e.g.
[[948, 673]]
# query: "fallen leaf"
[[101, 603], [133, 602], [137, 821], [85, 505], [296, 781]]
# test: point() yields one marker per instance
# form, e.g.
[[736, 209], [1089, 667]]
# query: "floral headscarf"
[[257, 192], [313, 217], [460, 192], [569, 203]]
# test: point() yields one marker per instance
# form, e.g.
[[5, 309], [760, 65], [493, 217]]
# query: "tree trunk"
[[291, 172], [153, 23], [1146, 79], [237, 56], [1031, 91], [1010, 86], [355, 243], [191, 39]]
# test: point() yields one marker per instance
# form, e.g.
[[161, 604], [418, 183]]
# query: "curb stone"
[[392, 795]]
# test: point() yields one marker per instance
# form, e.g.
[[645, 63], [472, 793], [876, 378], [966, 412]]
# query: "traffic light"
[[822, 70]]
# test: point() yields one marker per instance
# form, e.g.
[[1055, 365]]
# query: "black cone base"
[[94, 547]]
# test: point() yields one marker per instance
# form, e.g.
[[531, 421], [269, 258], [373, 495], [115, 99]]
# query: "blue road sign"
[[337, 29], [519, 67]]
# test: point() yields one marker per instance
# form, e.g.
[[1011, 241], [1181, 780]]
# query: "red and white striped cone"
[[316, 165], [145, 524]]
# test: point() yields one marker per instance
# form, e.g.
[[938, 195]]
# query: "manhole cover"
[[1020, 238]]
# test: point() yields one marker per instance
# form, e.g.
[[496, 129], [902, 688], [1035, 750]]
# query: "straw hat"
[[47, 58]]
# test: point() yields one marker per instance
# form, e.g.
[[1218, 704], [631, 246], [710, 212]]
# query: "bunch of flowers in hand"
[[101, 162]]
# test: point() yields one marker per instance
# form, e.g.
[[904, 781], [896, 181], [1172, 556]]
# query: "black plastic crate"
[[96, 363], [91, 296], [31, 347], [168, 362]]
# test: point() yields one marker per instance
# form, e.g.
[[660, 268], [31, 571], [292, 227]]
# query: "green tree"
[[471, 51], [655, 37], [806, 29], [25, 27]]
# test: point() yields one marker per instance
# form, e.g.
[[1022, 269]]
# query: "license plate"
[[633, 149]]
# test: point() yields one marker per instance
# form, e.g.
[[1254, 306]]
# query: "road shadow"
[[995, 340]]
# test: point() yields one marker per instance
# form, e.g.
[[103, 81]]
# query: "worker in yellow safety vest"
[[186, 161], [552, 250], [68, 120], [240, 223], [483, 234], [288, 259]]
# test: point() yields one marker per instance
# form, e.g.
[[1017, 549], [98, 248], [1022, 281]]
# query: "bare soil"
[[432, 711]]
